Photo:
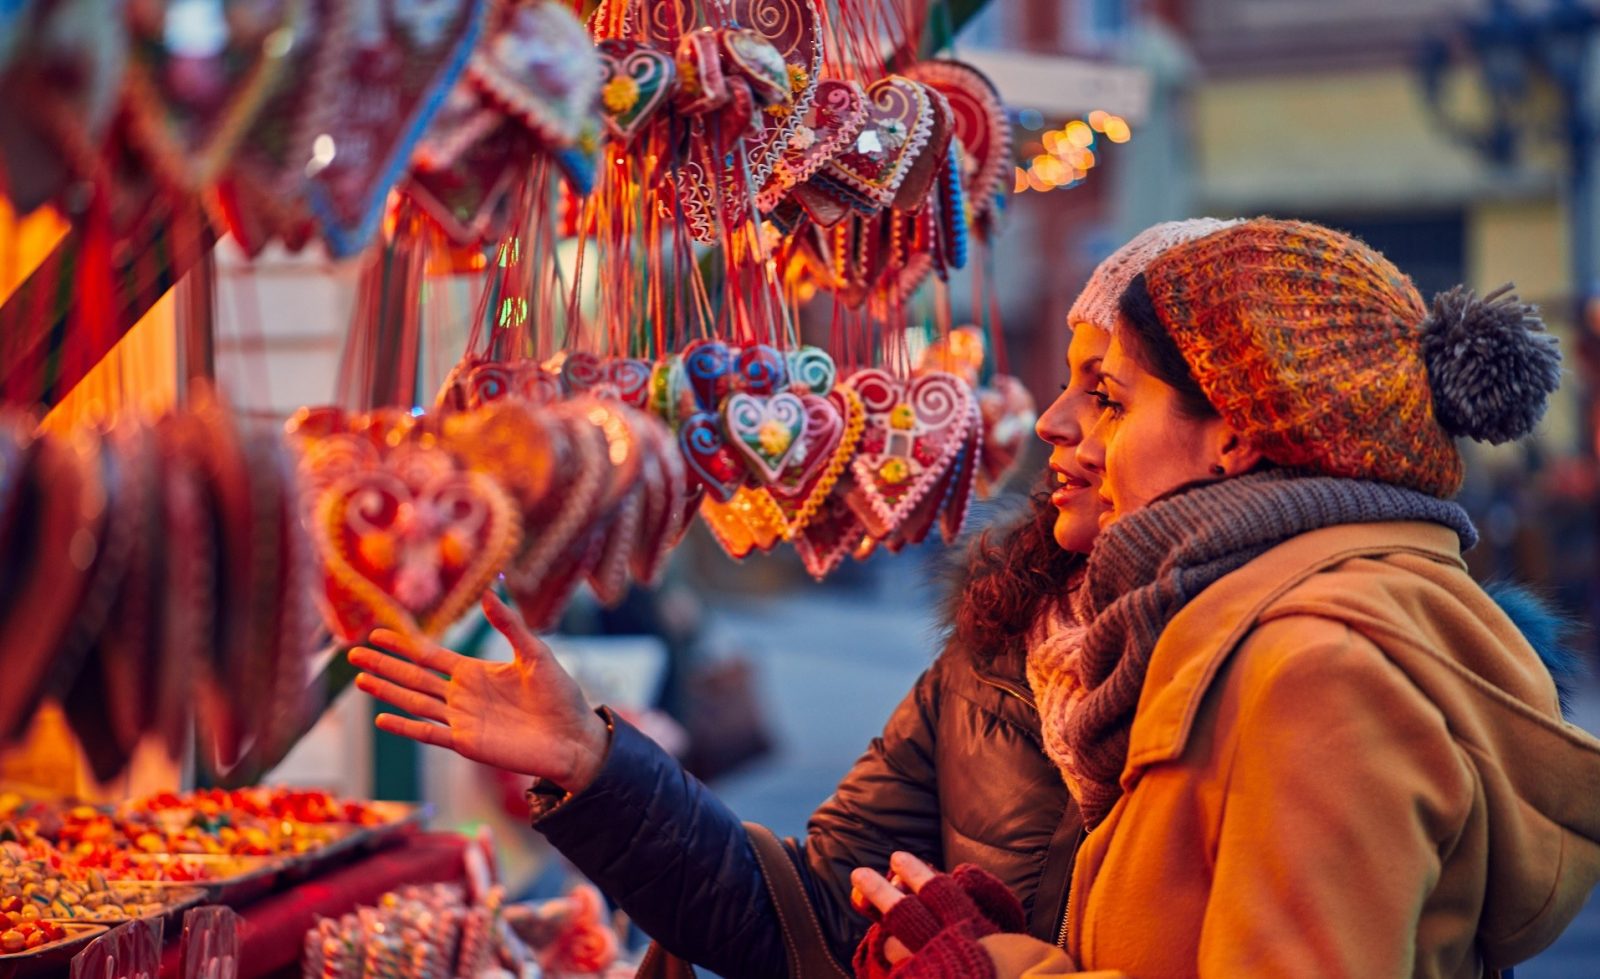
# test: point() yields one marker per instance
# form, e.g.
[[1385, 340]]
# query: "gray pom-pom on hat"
[[1491, 365]]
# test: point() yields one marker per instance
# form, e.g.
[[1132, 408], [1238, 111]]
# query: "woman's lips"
[[1067, 487]]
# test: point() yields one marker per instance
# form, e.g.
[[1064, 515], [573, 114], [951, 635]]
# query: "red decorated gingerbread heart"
[[900, 120], [837, 114], [466, 196], [709, 457], [402, 59], [637, 82], [540, 66], [912, 434], [832, 534], [833, 430], [410, 545], [982, 128]]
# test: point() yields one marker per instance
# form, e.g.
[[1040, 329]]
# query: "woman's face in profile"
[[1143, 444], [1075, 492]]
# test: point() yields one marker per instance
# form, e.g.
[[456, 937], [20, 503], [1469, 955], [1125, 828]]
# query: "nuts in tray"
[[37, 889]]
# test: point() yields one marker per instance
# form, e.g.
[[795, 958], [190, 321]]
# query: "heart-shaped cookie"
[[836, 116], [708, 365], [954, 515], [539, 64], [833, 430], [811, 369], [630, 377], [465, 197], [767, 430], [543, 575], [637, 81], [912, 434], [402, 60], [709, 457], [982, 128], [263, 191], [900, 120], [832, 534], [411, 545], [1008, 414], [581, 371]]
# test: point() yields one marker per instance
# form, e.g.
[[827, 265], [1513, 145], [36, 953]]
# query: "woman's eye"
[[1106, 404]]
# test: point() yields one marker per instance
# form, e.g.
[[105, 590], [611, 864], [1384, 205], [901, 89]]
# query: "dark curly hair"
[[1013, 574]]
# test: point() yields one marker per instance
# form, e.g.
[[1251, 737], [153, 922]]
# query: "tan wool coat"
[[1346, 761]]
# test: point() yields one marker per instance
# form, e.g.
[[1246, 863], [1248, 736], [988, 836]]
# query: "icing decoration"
[[709, 457], [900, 121], [765, 430], [636, 83], [833, 430], [812, 370], [895, 468], [836, 116], [540, 66], [981, 127]]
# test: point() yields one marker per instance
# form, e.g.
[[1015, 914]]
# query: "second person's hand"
[[526, 716]]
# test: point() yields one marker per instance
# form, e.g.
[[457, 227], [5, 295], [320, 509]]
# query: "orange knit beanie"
[[1322, 352]]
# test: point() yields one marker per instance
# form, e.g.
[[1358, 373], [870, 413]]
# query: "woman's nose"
[[1057, 424]]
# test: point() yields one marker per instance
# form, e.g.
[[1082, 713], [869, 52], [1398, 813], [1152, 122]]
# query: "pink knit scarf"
[[1054, 646]]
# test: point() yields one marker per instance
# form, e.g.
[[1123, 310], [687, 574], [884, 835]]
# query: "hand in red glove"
[[933, 931]]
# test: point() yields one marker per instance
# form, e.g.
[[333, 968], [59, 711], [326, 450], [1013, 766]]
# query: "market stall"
[[707, 248]]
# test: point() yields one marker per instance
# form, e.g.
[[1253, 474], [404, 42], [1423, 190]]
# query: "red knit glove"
[[941, 925]]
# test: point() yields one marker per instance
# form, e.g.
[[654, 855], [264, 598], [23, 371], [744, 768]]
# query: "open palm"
[[526, 716]]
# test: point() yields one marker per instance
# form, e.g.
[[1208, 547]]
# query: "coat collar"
[[1197, 642]]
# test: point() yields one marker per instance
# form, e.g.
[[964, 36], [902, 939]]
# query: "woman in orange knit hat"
[[1306, 743]]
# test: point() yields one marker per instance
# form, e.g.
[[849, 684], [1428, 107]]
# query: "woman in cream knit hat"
[[1308, 744]]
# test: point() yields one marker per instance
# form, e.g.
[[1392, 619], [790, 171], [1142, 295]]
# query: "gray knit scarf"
[[1148, 565]]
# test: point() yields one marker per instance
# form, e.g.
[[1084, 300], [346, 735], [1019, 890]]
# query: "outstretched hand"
[[526, 716]]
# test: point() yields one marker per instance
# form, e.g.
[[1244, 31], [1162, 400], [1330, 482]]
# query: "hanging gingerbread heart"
[[542, 575], [402, 59], [192, 90], [1008, 413], [812, 370], [767, 430], [630, 377], [263, 191], [833, 430], [981, 126], [410, 546], [582, 371], [702, 87], [637, 81], [954, 515], [461, 122], [832, 534], [539, 64], [913, 432], [750, 521], [465, 197], [709, 457], [900, 121], [836, 116], [709, 365], [929, 159]]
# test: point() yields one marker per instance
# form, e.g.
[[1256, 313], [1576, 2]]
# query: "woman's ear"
[[1235, 454]]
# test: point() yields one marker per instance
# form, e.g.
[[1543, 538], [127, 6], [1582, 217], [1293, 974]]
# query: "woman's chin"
[[1075, 533]]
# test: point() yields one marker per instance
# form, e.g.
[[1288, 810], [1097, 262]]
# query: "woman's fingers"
[[509, 624], [401, 697], [877, 891], [434, 734], [911, 871], [398, 670], [417, 650]]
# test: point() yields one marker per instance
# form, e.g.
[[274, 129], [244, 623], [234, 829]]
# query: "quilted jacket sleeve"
[[889, 801], [678, 861]]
